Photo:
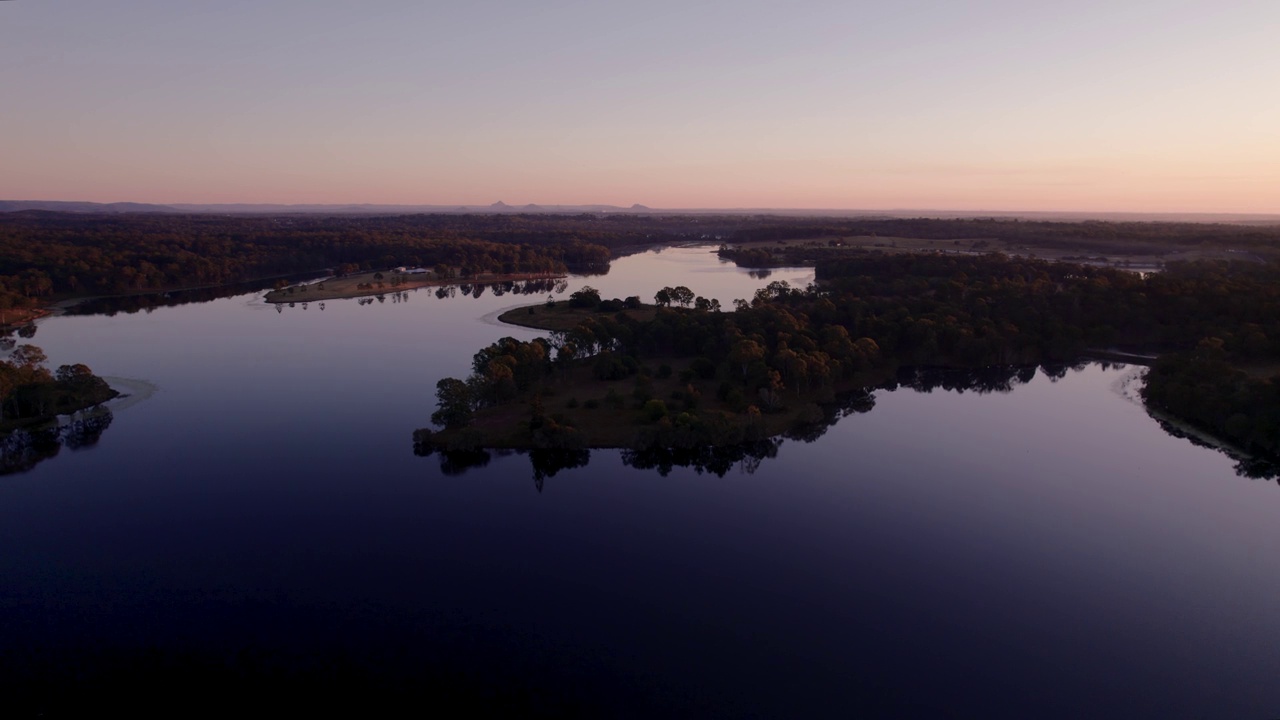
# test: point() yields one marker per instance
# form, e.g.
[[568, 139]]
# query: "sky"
[[1125, 105]]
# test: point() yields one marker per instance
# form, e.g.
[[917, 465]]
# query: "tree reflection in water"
[[146, 302], [717, 460], [25, 448], [548, 462], [748, 456], [992, 379], [1247, 466]]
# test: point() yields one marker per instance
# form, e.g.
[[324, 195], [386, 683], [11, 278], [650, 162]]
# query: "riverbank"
[[622, 413], [129, 302], [61, 402], [379, 283], [15, 318]]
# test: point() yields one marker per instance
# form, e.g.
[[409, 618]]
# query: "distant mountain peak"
[[640, 207], [499, 206]]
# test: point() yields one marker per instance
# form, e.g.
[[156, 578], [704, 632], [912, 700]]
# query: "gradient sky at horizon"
[[1168, 106]]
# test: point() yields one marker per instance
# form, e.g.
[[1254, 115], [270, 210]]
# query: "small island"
[[682, 372], [610, 400]]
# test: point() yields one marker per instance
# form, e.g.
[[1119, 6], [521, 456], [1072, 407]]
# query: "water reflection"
[[146, 302], [1248, 466], [714, 460], [1003, 379], [457, 462], [549, 461], [748, 456], [717, 460], [993, 379], [25, 448], [447, 292]]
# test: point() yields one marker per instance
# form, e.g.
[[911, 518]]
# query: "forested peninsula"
[[680, 373], [31, 394]]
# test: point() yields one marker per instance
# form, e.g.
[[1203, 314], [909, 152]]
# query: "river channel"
[[1033, 548]]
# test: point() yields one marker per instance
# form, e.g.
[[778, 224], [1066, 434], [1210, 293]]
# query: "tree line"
[[44, 256]]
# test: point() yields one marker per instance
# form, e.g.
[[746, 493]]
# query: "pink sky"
[[1157, 107]]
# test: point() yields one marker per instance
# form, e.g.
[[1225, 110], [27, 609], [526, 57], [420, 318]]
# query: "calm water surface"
[[1044, 552]]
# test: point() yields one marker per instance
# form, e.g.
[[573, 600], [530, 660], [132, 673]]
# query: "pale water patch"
[[132, 391], [1128, 384]]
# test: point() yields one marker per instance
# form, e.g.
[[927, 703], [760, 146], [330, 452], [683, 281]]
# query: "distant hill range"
[[503, 208], [274, 209]]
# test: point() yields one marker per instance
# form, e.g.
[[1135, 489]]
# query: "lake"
[[1041, 550]]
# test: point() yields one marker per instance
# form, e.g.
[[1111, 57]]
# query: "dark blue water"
[[1044, 552]]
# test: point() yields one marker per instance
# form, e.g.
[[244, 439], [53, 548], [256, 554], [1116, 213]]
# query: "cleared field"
[[560, 316]]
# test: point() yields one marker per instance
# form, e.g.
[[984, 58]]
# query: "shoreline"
[[347, 287], [58, 308]]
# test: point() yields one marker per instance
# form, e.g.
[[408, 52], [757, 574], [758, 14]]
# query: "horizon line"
[[500, 207]]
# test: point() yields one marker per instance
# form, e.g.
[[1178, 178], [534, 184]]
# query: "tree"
[[28, 356], [73, 374], [455, 403], [745, 352], [587, 297]]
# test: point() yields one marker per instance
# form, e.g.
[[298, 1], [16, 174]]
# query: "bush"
[[609, 367], [587, 297], [643, 390], [704, 368], [654, 410]]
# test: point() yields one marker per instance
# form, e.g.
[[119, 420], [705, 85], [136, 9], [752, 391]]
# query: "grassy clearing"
[[560, 316]]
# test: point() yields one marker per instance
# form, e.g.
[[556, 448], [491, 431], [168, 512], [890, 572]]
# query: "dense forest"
[[1125, 237], [44, 256], [48, 255], [792, 350]]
